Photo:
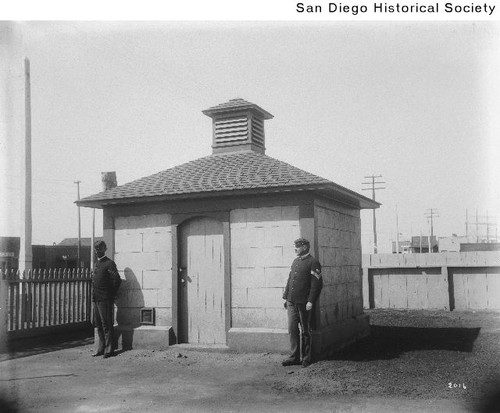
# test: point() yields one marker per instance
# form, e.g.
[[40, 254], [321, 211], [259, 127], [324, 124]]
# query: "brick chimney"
[[108, 180], [238, 125]]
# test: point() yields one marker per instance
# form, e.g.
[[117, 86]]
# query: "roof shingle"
[[214, 173]]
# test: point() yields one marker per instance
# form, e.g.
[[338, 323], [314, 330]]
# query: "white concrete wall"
[[339, 244], [144, 259], [262, 252], [456, 280]]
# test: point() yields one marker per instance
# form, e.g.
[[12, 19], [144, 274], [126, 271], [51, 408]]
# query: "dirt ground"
[[414, 361]]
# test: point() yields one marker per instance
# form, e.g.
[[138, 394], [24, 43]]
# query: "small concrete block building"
[[208, 245]]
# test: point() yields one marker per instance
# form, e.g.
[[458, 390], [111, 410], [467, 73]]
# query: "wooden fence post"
[[4, 291]]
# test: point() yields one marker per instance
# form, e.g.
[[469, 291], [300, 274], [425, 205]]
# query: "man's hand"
[[309, 306]]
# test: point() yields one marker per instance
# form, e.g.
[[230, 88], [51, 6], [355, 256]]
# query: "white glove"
[[309, 306]]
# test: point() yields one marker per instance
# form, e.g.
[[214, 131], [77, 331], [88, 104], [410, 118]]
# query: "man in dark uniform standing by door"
[[105, 284], [301, 291]]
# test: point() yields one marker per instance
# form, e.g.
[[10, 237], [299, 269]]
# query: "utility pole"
[[92, 241], [487, 227], [397, 233], [430, 214], [477, 227], [25, 249], [467, 225], [373, 188], [79, 225]]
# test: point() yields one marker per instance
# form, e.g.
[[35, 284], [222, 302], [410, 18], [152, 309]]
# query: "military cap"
[[301, 241], [100, 245]]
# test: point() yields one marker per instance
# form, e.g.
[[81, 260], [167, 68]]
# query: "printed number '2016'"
[[457, 386]]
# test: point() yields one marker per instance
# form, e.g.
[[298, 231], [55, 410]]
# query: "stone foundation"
[[256, 340], [325, 342], [143, 337]]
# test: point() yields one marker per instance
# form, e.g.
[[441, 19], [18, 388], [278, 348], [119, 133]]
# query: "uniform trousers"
[[300, 343], [103, 321]]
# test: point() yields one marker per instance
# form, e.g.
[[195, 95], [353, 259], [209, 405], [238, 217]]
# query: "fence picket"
[[12, 310], [50, 286], [43, 302], [20, 304], [39, 300], [44, 298], [74, 302]]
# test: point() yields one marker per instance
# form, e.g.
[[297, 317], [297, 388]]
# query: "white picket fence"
[[37, 301]]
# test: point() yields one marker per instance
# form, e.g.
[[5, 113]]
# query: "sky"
[[414, 101]]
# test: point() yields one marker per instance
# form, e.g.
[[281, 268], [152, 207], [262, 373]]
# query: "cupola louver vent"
[[231, 130], [238, 125]]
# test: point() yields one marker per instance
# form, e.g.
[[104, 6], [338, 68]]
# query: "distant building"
[[62, 255], [404, 247], [9, 252], [457, 243], [481, 246], [451, 244], [420, 244], [84, 242]]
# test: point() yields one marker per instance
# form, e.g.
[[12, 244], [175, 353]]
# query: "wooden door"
[[201, 282]]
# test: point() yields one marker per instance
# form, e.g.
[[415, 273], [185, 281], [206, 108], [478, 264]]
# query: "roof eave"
[[101, 203], [333, 191], [341, 194]]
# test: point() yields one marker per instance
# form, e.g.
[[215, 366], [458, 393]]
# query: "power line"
[[481, 221], [79, 224], [373, 188]]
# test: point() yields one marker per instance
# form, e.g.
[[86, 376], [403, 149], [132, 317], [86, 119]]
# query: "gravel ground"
[[425, 361], [413, 354]]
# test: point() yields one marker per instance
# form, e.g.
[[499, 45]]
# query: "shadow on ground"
[[386, 343], [30, 346]]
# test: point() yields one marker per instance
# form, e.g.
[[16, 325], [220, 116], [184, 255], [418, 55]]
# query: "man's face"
[[100, 251], [300, 250]]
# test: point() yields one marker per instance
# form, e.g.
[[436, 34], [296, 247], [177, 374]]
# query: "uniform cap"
[[99, 244], [301, 241]]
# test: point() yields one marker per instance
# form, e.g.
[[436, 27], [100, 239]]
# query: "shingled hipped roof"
[[238, 166], [239, 172]]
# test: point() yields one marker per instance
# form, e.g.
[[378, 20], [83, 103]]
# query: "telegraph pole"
[[397, 231], [467, 225], [25, 248], [373, 182], [430, 214], [79, 225], [92, 241]]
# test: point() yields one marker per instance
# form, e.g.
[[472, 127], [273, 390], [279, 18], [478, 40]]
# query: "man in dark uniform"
[[105, 284], [301, 291]]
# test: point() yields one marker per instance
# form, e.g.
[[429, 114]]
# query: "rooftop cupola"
[[238, 125]]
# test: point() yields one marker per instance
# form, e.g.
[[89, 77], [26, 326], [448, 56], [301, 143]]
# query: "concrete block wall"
[[446, 280], [262, 252], [339, 246], [144, 259]]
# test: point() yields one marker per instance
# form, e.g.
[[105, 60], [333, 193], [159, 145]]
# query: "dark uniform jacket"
[[106, 280], [305, 281]]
